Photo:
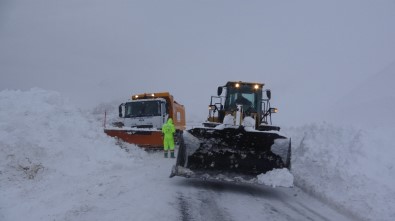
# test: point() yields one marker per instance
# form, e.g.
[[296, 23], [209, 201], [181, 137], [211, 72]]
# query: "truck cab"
[[144, 113], [141, 119]]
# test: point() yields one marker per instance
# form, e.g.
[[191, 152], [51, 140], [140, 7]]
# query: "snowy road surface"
[[221, 201], [202, 200]]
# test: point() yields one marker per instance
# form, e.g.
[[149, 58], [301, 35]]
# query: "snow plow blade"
[[149, 139], [230, 154]]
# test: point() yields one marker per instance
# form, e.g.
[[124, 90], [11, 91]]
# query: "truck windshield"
[[142, 109]]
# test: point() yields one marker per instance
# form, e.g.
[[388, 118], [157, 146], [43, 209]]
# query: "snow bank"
[[351, 168], [52, 156], [41, 128], [277, 178]]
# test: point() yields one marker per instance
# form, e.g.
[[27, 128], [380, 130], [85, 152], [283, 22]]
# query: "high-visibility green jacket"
[[168, 130]]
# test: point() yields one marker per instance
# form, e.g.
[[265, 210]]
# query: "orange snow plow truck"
[[141, 118]]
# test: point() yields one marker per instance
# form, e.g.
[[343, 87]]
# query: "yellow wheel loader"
[[238, 141]]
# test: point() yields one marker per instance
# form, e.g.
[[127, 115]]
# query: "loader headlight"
[[136, 96], [237, 85], [256, 87], [153, 95], [212, 107], [273, 110]]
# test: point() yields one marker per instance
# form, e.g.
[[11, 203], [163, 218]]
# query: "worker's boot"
[[172, 154], [165, 154]]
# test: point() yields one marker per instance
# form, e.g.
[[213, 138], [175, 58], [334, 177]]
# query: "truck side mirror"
[[219, 91], [269, 94], [120, 110]]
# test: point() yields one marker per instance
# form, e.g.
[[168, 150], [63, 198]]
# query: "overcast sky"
[[308, 52]]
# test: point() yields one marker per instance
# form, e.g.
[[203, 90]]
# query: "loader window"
[[247, 98], [242, 98]]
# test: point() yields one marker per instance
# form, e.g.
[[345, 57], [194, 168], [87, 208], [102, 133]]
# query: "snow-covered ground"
[[350, 168], [56, 164]]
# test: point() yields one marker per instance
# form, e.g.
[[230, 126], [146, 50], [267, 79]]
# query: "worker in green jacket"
[[168, 130]]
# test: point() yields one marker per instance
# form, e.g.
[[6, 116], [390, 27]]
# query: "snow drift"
[[57, 164], [349, 162], [352, 169]]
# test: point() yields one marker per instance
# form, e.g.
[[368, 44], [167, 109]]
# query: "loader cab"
[[254, 101], [249, 95]]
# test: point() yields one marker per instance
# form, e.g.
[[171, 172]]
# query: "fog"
[[309, 53]]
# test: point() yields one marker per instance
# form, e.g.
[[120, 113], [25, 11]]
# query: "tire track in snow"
[[201, 205], [281, 203], [313, 212], [184, 207], [286, 203], [206, 200], [210, 208]]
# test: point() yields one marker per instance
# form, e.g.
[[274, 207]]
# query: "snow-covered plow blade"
[[230, 154]]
